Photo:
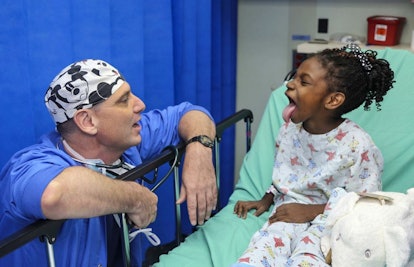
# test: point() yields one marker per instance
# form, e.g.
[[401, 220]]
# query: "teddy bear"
[[371, 229]]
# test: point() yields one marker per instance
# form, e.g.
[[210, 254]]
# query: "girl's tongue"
[[288, 111]]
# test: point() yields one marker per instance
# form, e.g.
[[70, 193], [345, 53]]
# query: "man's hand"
[[296, 213], [199, 185], [146, 210], [242, 207]]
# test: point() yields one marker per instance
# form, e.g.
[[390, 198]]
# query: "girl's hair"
[[359, 75]]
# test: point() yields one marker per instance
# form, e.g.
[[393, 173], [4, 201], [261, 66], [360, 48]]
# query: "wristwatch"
[[203, 139]]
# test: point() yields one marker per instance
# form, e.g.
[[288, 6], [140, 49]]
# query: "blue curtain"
[[169, 51]]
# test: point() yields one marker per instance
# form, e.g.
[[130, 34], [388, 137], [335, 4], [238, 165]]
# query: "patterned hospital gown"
[[312, 169]]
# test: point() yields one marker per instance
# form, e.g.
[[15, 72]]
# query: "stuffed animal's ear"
[[397, 251], [410, 193], [344, 206]]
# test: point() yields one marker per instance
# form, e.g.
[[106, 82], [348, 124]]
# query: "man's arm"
[[79, 192], [199, 185]]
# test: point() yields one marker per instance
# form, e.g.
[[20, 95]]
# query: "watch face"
[[202, 139], [205, 140]]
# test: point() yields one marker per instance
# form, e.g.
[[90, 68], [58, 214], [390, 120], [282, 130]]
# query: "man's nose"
[[139, 105]]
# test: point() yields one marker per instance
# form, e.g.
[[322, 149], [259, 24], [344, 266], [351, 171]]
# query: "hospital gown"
[[312, 169]]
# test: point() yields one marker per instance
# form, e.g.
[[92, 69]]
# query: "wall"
[[265, 47], [351, 16], [263, 41]]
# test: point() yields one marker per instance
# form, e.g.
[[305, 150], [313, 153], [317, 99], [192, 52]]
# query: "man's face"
[[117, 119]]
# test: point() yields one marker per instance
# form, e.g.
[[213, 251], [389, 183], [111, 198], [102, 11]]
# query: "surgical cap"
[[81, 85]]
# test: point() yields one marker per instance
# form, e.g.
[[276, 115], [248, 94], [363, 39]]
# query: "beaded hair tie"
[[356, 50]]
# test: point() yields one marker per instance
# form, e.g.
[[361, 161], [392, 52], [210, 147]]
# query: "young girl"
[[319, 154]]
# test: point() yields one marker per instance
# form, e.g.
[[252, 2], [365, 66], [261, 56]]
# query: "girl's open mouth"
[[288, 111]]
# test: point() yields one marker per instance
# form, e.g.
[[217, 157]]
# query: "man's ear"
[[85, 120], [334, 100]]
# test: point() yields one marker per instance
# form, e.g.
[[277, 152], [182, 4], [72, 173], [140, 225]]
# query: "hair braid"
[[359, 75]]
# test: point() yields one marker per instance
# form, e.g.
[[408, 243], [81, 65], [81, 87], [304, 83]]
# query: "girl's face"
[[308, 92]]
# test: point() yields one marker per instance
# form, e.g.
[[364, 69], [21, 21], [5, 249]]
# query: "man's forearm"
[[199, 186], [78, 192]]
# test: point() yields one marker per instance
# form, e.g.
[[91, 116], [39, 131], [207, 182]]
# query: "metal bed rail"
[[47, 230]]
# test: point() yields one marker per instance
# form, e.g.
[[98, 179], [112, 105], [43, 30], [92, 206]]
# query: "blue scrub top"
[[81, 242]]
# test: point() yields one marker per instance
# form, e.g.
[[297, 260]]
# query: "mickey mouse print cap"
[[81, 85]]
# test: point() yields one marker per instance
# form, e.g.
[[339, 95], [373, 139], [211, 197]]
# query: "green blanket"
[[224, 237]]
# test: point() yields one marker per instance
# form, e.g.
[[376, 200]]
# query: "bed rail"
[[47, 230], [247, 116]]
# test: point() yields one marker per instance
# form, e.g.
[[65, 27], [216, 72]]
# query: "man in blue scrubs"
[[102, 131]]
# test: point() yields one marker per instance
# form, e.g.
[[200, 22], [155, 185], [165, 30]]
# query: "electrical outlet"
[[322, 25]]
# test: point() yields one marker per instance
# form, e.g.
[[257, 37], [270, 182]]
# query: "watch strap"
[[203, 139]]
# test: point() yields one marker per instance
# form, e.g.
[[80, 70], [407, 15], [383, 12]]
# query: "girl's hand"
[[296, 213], [242, 207]]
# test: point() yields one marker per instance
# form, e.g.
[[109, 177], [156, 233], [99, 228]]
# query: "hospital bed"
[[223, 238], [220, 241]]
